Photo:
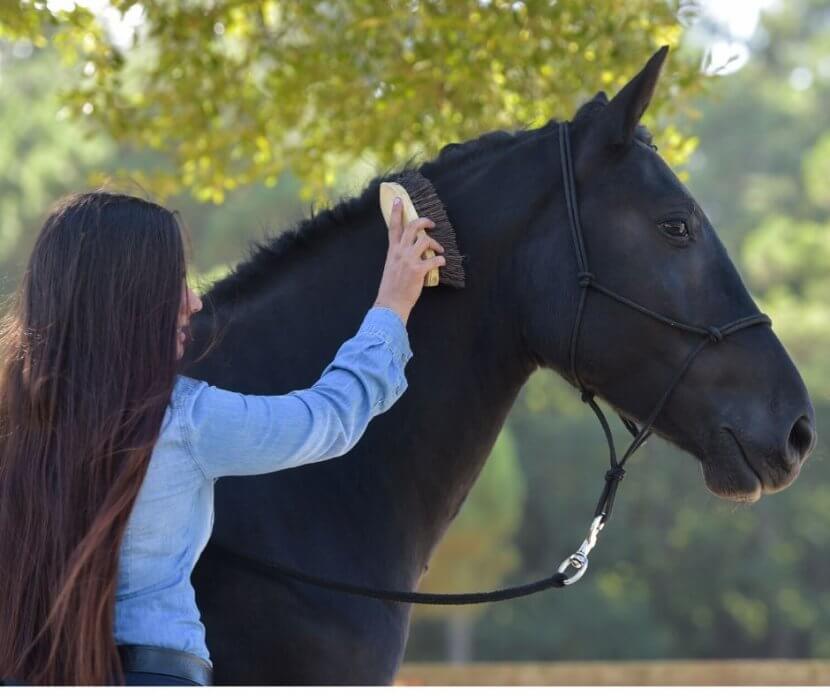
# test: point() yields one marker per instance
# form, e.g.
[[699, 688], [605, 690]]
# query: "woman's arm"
[[233, 434]]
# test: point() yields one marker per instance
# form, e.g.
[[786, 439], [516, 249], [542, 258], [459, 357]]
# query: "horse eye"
[[675, 228]]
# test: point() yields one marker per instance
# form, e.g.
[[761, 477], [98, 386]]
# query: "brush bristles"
[[428, 204]]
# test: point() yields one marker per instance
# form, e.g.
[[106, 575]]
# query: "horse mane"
[[263, 257]]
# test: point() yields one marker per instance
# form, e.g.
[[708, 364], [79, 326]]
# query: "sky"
[[741, 16], [734, 22]]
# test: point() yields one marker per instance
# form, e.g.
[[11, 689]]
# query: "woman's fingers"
[[426, 265], [424, 242], [396, 222], [404, 270], [412, 228]]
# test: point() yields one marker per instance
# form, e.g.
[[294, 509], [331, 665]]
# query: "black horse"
[[374, 516]]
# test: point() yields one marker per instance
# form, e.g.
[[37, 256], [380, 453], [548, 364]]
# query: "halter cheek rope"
[[575, 565]]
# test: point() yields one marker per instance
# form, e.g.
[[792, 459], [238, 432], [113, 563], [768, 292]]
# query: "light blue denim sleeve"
[[233, 434]]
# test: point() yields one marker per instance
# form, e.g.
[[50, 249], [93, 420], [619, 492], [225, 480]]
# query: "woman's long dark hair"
[[89, 359]]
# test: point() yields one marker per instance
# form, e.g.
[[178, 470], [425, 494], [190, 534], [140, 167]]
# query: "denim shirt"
[[208, 432]]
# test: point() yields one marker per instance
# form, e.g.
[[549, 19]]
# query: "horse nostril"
[[802, 439]]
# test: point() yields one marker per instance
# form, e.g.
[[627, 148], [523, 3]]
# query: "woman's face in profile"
[[190, 304]]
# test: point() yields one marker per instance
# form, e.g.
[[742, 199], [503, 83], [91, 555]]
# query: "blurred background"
[[246, 117]]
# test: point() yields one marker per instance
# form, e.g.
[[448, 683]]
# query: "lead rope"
[[575, 565]]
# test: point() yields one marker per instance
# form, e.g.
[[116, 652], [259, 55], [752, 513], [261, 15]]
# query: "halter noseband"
[[577, 563]]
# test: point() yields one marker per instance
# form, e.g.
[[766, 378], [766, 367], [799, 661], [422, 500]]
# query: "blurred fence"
[[645, 673]]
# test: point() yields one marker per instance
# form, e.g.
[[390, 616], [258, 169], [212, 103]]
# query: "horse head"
[[741, 407]]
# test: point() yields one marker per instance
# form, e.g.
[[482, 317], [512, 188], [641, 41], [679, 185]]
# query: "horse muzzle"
[[746, 465]]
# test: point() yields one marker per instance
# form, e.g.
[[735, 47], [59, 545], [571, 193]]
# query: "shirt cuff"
[[387, 325]]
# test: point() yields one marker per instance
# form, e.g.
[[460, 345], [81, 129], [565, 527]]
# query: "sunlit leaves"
[[237, 92]]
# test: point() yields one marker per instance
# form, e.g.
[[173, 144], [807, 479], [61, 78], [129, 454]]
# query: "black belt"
[[167, 661]]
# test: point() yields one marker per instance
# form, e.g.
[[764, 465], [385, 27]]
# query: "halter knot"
[[715, 334], [587, 395], [585, 279], [615, 473]]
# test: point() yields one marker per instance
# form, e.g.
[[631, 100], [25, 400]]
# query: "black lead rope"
[[277, 570], [573, 567]]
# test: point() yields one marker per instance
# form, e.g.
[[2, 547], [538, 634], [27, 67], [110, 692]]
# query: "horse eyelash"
[[678, 216]]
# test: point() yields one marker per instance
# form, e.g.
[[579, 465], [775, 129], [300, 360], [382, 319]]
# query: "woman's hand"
[[404, 271]]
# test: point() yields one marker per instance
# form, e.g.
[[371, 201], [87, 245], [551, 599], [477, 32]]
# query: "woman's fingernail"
[[396, 202]]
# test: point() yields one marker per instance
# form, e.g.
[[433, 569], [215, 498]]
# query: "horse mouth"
[[733, 477]]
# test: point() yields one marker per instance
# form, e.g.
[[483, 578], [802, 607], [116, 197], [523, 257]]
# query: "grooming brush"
[[419, 199]]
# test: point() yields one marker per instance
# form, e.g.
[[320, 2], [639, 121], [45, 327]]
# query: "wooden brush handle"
[[388, 191]]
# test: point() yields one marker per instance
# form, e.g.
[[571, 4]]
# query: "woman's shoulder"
[[172, 451], [194, 402], [191, 392], [185, 384], [184, 387]]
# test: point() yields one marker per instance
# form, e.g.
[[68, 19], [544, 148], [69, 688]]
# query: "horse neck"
[[466, 372], [415, 464]]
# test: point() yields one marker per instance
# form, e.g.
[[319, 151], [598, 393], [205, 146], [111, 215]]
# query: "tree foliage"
[[240, 91], [478, 551], [41, 150], [788, 261], [766, 132]]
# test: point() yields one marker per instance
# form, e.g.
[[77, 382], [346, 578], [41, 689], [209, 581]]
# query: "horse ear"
[[620, 118]]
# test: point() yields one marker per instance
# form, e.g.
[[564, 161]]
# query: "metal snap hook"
[[577, 562]]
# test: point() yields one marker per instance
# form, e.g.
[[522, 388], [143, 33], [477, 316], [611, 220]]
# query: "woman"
[[108, 457]]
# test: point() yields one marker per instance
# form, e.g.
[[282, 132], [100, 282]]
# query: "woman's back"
[[167, 530]]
